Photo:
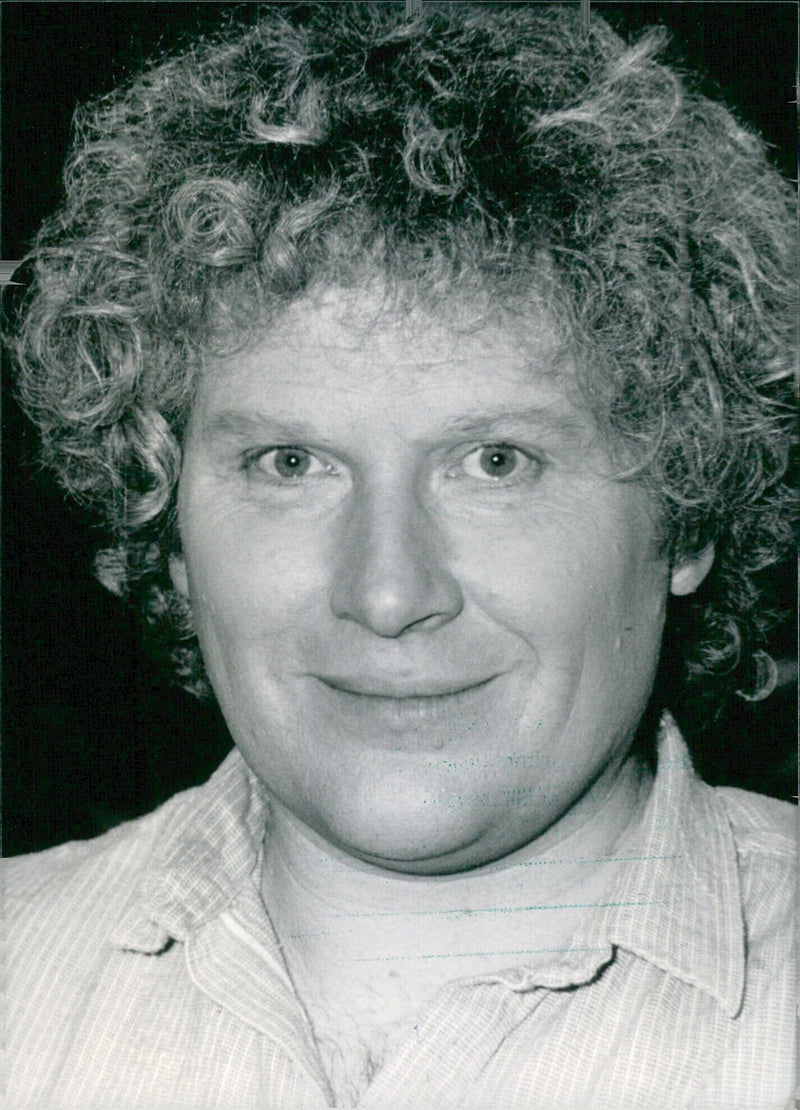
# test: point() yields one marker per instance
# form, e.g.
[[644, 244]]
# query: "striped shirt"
[[144, 974]]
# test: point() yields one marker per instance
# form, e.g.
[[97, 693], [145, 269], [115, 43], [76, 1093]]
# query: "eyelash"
[[531, 461], [456, 471], [254, 459]]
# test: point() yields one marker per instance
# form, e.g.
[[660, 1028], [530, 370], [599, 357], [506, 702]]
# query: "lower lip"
[[414, 714]]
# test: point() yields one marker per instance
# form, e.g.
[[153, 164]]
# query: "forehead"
[[344, 348]]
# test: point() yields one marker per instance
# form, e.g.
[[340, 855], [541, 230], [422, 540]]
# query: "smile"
[[400, 707], [417, 691]]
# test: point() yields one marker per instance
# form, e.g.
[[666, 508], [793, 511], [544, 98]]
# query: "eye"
[[287, 464], [498, 461]]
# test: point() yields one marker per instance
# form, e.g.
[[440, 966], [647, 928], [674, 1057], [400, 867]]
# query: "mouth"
[[372, 706], [408, 691]]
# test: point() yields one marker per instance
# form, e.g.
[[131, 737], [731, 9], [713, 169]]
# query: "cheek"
[[250, 604], [247, 575], [623, 633], [578, 581], [525, 572], [624, 598]]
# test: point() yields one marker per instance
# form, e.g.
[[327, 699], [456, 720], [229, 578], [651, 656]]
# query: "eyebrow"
[[289, 430], [236, 424], [531, 418]]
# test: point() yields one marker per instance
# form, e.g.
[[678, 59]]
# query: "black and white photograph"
[[398, 562]]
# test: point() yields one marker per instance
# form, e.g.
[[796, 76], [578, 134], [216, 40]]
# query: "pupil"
[[498, 461], [291, 463]]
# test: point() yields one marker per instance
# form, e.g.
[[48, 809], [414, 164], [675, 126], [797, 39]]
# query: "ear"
[[177, 572], [689, 572]]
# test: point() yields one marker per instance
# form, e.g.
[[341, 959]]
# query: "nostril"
[[391, 612], [394, 581]]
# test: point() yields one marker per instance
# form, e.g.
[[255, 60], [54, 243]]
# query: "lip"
[[418, 714], [394, 691]]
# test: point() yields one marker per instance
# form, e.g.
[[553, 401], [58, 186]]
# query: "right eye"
[[289, 464]]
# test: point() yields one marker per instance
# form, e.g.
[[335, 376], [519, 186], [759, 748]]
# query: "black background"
[[93, 733]]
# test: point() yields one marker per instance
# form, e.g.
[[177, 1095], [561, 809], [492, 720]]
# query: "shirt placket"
[[247, 977], [440, 1060]]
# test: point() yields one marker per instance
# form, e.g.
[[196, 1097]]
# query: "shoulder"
[[85, 866], [101, 891], [70, 899], [755, 1069], [761, 826], [765, 835], [108, 860], [27, 876], [73, 927]]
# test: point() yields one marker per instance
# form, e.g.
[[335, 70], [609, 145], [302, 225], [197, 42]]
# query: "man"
[[416, 370]]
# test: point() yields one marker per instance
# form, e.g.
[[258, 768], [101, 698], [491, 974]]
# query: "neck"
[[327, 906]]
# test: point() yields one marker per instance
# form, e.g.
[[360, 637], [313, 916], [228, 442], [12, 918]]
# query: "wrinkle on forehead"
[[352, 321], [332, 329]]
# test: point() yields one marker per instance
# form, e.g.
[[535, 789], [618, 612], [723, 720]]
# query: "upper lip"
[[385, 688]]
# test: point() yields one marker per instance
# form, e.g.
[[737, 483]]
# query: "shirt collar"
[[677, 903], [208, 846]]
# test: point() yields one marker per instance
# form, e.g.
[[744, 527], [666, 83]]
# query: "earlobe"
[[177, 572], [689, 573]]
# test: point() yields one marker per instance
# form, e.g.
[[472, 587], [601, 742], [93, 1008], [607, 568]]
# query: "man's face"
[[430, 617]]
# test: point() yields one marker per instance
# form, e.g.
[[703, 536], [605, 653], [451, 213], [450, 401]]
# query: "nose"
[[391, 573]]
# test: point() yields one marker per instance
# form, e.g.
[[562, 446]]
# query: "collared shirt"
[[144, 974]]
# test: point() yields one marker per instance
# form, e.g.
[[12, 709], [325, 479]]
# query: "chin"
[[417, 860], [419, 842]]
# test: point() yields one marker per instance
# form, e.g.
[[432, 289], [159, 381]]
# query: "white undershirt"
[[367, 948]]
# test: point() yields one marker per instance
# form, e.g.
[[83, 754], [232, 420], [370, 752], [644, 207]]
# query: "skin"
[[432, 619]]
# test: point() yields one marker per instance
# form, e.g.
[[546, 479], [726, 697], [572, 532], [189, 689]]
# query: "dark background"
[[93, 733]]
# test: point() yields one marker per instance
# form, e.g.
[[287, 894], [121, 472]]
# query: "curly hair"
[[479, 153]]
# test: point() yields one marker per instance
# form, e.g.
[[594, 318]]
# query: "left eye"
[[496, 460], [289, 463]]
